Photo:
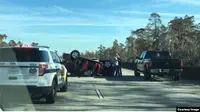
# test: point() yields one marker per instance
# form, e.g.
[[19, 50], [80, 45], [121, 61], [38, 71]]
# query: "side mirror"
[[137, 57], [55, 61], [62, 62]]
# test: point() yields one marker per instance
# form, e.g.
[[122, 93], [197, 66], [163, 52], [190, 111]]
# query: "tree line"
[[181, 37], [12, 42]]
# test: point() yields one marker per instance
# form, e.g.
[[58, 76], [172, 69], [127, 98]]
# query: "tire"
[[50, 99], [74, 54], [65, 87], [147, 75], [136, 73], [107, 64], [176, 77]]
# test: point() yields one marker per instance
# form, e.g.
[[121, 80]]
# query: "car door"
[[139, 66], [143, 61], [62, 67], [58, 67]]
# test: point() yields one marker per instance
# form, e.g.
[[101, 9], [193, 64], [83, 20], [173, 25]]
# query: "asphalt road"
[[116, 94]]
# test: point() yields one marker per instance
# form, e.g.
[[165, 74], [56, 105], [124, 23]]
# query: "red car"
[[79, 65], [68, 63]]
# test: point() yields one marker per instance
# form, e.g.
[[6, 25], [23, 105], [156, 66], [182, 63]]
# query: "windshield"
[[23, 55], [158, 55]]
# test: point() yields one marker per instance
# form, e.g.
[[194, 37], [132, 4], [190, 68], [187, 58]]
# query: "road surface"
[[116, 94]]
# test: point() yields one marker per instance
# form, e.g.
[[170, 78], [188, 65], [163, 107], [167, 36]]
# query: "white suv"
[[37, 68]]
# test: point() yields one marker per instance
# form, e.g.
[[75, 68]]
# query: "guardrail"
[[128, 65], [191, 73]]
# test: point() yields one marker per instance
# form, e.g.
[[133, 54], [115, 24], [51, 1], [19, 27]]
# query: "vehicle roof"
[[39, 47], [155, 51]]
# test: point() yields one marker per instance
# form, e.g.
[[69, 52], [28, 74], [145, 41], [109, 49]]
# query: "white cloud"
[[160, 5], [160, 13], [17, 20], [9, 7], [188, 2], [35, 17], [40, 36], [61, 9], [71, 36], [191, 2], [38, 18], [84, 24], [131, 12]]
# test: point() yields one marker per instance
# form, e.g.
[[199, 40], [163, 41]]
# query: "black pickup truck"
[[159, 63]]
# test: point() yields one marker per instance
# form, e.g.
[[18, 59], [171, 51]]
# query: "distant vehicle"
[[37, 68], [158, 63], [92, 66]]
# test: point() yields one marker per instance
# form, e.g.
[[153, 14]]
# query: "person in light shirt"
[[119, 68], [115, 66]]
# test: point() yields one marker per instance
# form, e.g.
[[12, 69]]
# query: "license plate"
[[13, 71], [12, 78]]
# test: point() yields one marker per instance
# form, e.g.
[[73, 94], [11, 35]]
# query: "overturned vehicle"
[[80, 66]]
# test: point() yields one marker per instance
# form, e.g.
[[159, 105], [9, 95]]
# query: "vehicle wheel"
[[176, 77], [50, 99], [147, 76], [65, 87], [107, 64], [136, 73], [75, 54], [135, 70]]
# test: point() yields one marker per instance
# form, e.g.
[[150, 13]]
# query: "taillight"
[[150, 64], [181, 64], [43, 68]]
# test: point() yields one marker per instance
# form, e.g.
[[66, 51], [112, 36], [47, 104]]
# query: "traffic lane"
[[82, 95], [126, 95], [183, 92], [20, 100], [78, 97], [146, 95], [119, 93]]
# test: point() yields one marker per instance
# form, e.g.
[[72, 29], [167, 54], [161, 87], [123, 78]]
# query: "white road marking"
[[120, 94], [99, 94]]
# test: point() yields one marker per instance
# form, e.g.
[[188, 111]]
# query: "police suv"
[[39, 69]]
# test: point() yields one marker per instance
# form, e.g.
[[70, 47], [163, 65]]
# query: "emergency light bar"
[[43, 46], [29, 46], [25, 45]]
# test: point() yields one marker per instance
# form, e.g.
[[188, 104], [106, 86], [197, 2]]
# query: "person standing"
[[115, 66], [119, 66]]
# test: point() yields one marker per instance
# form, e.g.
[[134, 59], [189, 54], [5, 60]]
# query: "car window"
[[23, 55], [55, 57], [141, 55], [44, 56], [154, 54]]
